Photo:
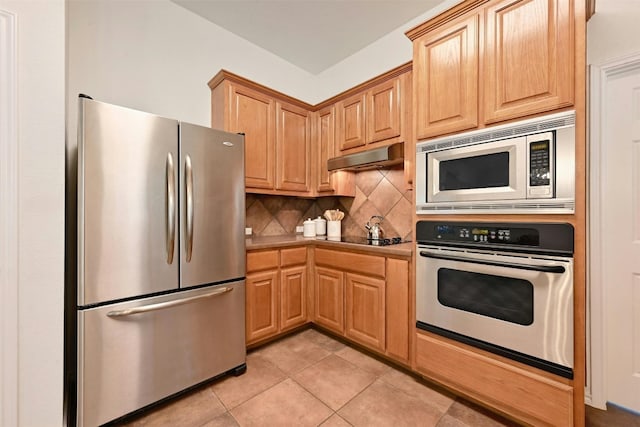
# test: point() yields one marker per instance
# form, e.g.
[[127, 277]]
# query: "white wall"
[[41, 132], [157, 56], [614, 30], [380, 56]]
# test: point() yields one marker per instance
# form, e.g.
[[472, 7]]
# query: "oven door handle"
[[542, 268]]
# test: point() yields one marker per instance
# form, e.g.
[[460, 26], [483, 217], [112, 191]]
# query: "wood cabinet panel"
[[397, 309], [293, 294], [329, 298], [325, 147], [365, 310], [252, 113], [529, 57], [261, 305], [361, 263], [446, 79], [532, 398], [262, 260], [292, 148], [383, 111], [350, 122], [293, 256]]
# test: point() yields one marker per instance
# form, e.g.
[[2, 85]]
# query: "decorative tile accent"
[[378, 192]]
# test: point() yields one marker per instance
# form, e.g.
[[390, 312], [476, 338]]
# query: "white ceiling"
[[311, 34]]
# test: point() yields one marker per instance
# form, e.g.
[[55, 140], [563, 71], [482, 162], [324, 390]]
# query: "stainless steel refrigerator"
[[160, 258]]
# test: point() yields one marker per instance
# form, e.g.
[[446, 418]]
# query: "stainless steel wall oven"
[[504, 287]]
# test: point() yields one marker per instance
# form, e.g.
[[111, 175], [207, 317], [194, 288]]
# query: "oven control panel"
[[549, 238], [481, 234]]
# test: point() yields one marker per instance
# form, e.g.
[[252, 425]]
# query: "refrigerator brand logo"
[[228, 144]]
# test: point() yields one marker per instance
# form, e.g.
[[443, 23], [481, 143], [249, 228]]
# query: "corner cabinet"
[[374, 113], [364, 298], [292, 148], [485, 62]]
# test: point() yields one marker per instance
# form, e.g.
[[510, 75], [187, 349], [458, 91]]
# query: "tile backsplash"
[[378, 192]]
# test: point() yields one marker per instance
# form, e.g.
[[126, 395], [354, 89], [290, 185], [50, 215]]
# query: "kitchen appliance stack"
[[159, 303]]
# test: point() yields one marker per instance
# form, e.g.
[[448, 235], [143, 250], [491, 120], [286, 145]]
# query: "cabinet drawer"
[[370, 265], [530, 397], [293, 256], [262, 260]]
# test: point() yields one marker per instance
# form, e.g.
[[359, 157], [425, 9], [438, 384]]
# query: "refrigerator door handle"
[[171, 207], [167, 304], [188, 178]]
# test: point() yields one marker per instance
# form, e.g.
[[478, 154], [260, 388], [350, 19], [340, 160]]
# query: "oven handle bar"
[[542, 268]]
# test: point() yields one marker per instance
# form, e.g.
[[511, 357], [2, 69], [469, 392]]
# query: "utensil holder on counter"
[[334, 229]]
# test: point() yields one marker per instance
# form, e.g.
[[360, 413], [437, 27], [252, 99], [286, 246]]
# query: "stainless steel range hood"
[[378, 157]]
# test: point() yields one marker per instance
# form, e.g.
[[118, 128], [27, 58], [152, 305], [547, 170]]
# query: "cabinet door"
[[397, 309], [350, 125], [261, 305], [252, 113], [366, 310], [325, 137], [446, 79], [529, 57], [292, 148], [383, 111], [293, 293], [329, 299]]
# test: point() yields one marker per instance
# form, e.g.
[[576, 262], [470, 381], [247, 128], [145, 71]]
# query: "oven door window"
[[505, 298], [485, 171]]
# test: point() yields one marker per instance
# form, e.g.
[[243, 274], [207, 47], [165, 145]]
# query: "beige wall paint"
[[613, 31], [41, 131]]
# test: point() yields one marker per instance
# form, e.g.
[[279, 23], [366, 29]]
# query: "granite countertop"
[[267, 242]]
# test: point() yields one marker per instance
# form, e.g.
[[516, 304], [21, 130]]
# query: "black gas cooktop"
[[372, 242]]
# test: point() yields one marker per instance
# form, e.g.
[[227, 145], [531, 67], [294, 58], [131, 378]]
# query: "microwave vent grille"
[[500, 132], [520, 207]]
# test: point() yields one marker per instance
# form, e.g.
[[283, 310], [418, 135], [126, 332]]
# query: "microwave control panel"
[[540, 167]]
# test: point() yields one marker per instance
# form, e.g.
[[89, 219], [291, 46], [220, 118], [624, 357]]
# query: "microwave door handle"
[[542, 268]]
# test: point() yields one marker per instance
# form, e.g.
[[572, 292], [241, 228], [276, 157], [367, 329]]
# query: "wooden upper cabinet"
[[529, 57], [350, 123], [383, 111], [252, 113], [446, 78], [324, 146], [292, 148], [277, 132]]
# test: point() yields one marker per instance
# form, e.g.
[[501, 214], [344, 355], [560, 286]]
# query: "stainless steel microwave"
[[521, 167]]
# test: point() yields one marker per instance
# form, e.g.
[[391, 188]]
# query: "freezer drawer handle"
[[168, 304], [188, 175], [171, 208], [543, 268]]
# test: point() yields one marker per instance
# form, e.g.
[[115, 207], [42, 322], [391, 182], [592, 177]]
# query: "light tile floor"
[[310, 379]]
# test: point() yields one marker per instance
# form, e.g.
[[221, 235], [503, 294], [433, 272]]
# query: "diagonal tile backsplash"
[[378, 192]]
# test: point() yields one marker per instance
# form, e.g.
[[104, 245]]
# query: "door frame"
[[8, 219], [600, 74]]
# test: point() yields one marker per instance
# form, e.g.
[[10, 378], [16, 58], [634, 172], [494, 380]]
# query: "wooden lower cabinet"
[[261, 305], [365, 310], [397, 309], [276, 292], [329, 299], [293, 296], [532, 397]]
